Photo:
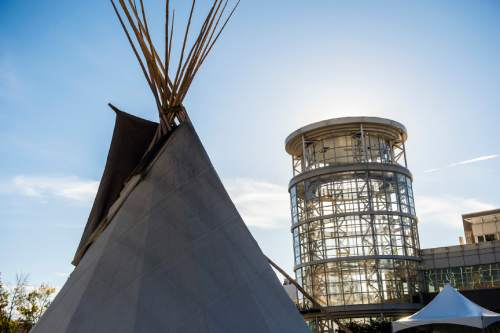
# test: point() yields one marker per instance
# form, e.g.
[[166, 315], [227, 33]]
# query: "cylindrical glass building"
[[354, 226]]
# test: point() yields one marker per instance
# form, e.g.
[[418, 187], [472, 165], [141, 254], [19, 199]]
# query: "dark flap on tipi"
[[131, 138]]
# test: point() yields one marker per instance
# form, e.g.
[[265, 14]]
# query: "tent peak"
[[449, 307]]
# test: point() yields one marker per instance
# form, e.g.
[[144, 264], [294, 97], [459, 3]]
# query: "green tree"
[[4, 303], [20, 309], [373, 326], [11, 300], [32, 305]]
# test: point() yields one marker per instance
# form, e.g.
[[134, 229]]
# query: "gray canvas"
[[176, 257]]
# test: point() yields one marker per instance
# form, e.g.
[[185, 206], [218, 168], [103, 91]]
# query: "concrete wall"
[[461, 255], [486, 228]]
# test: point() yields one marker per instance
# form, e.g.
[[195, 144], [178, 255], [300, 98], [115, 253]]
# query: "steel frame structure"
[[354, 225]]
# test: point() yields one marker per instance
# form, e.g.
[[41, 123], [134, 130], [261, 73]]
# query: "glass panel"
[[463, 277], [348, 149]]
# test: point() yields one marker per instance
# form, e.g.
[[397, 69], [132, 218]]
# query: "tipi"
[[164, 249]]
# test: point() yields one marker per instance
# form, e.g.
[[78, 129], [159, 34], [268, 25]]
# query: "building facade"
[[473, 267], [465, 267], [354, 226], [481, 226]]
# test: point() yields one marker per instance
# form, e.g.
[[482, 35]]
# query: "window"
[[347, 149], [361, 282], [464, 277], [489, 237]]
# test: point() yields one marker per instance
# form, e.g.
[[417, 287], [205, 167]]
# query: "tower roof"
[[344, 126]]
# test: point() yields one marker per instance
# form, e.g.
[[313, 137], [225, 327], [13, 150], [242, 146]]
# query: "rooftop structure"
[[481, 226], [466, 267], [354, 226], [473, 268], [340, 141]]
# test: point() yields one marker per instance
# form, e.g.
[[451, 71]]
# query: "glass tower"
[[354, 226]]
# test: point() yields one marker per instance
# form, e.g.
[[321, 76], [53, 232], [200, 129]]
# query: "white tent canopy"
[[449, 307]]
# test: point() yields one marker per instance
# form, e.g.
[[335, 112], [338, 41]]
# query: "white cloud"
[[261, 204], [439, 210], [432, 170], [69, 188], [473, 160], [266, 205]]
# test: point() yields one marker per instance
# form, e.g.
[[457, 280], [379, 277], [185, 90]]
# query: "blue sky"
[[434, 66]]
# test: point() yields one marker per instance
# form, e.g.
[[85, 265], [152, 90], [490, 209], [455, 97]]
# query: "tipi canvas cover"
[[175, 257], [164, 249], [449, 307]]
